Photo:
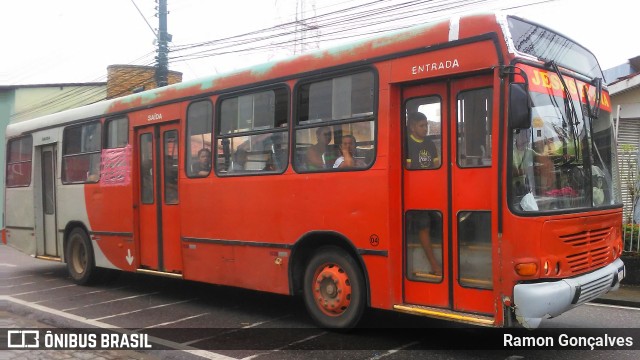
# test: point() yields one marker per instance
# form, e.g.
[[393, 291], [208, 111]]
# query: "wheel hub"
[[332, 289]]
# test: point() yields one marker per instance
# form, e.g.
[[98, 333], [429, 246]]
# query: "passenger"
[[239, 160], [320, 155], [421, 151], [93, 175], [348, 151], [419, 224], [203, 166]]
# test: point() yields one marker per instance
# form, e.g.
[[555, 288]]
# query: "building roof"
[[625, 83], [31, 86]]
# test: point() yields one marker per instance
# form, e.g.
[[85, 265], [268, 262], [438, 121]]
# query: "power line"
[[145, 19], [353, 22]]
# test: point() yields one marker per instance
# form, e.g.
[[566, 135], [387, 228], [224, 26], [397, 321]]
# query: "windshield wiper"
[[569, 108], [595, 110]]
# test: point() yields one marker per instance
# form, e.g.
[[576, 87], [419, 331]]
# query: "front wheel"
[[79, 256], [334, 289]]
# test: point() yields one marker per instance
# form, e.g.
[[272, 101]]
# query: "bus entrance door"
[[159, 224], [449, 179]]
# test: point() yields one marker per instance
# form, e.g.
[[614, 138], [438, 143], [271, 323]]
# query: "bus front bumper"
[[534, 302]]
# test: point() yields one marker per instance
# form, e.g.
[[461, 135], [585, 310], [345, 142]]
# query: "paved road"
[[207, 321]]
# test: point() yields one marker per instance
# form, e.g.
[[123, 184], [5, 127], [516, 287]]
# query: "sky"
[[68, 41]]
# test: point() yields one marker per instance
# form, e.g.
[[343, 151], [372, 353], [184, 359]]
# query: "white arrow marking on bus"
[[129, 257]]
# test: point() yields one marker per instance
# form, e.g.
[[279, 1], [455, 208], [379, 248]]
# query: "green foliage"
[[631, 233]]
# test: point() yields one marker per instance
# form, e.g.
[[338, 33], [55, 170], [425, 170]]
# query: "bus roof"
[[352, 54]]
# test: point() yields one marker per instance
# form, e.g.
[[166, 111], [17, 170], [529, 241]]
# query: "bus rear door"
[[159, 225]]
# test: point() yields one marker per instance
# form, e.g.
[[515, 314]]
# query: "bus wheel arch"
[[79, 255], [324, 265]]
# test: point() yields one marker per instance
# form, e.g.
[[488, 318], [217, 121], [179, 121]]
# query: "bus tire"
[[79, 256], [334, 289]]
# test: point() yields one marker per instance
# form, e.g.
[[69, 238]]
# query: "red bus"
[[463, 170]]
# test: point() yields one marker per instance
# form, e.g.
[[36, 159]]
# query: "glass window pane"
[[341, 147], [72, 140], [20, 149], [90, 137], [171, 167], [474, 128], [117, 133], [199, 124], [423, 140], [339, 98], [19, 174], [81, 153], [262, 153], [146, 168], [258, 111], [81, 168], [18, 169], [47, 180], [424, 245], [474, 244]]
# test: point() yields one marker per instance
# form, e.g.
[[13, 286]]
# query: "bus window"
[[330, 110], [423, 133], [474, 128], [117, 133], [253, 135], [81, 153], [198, 143], [19, 162], [424, 245]]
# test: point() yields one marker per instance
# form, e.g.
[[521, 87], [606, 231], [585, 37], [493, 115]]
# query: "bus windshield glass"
[[547, 45], [566, 160]]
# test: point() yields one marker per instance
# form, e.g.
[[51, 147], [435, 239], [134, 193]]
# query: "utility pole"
[[162, 59], [303, 27]]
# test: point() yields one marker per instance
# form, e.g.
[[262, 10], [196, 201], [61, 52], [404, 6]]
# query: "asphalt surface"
[[21, 298]]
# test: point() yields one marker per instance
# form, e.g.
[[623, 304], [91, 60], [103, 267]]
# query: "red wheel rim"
[[332, 289]]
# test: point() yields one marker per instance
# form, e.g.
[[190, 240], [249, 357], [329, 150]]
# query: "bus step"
[[159, 273], [445, 314], [50, 258]]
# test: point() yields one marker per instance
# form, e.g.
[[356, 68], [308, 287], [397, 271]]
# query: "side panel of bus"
[[19, 197]]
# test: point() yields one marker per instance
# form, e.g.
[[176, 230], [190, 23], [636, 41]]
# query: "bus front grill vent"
[[589, 237]]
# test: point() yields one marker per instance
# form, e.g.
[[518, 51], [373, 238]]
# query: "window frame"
[[8, 149], [283, 129], [406, 132], [187, 138], [373, 117], [490, 116], [64, 155], [107, 123]]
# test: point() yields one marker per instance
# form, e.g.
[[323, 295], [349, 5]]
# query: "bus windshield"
[[545, 44], [566, 160]]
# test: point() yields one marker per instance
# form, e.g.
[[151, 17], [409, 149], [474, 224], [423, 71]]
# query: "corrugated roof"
[[12, 87]]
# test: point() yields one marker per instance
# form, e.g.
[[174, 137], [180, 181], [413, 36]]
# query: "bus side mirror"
[[519, 106]]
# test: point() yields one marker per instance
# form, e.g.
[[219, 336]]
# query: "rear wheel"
[[79, 256], [334, 290]]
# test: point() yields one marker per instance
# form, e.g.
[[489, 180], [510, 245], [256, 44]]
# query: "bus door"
[[49, 246], [158, 198], [449, 194]]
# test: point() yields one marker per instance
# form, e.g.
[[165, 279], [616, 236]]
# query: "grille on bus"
[[594, 289], [592, 250]]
